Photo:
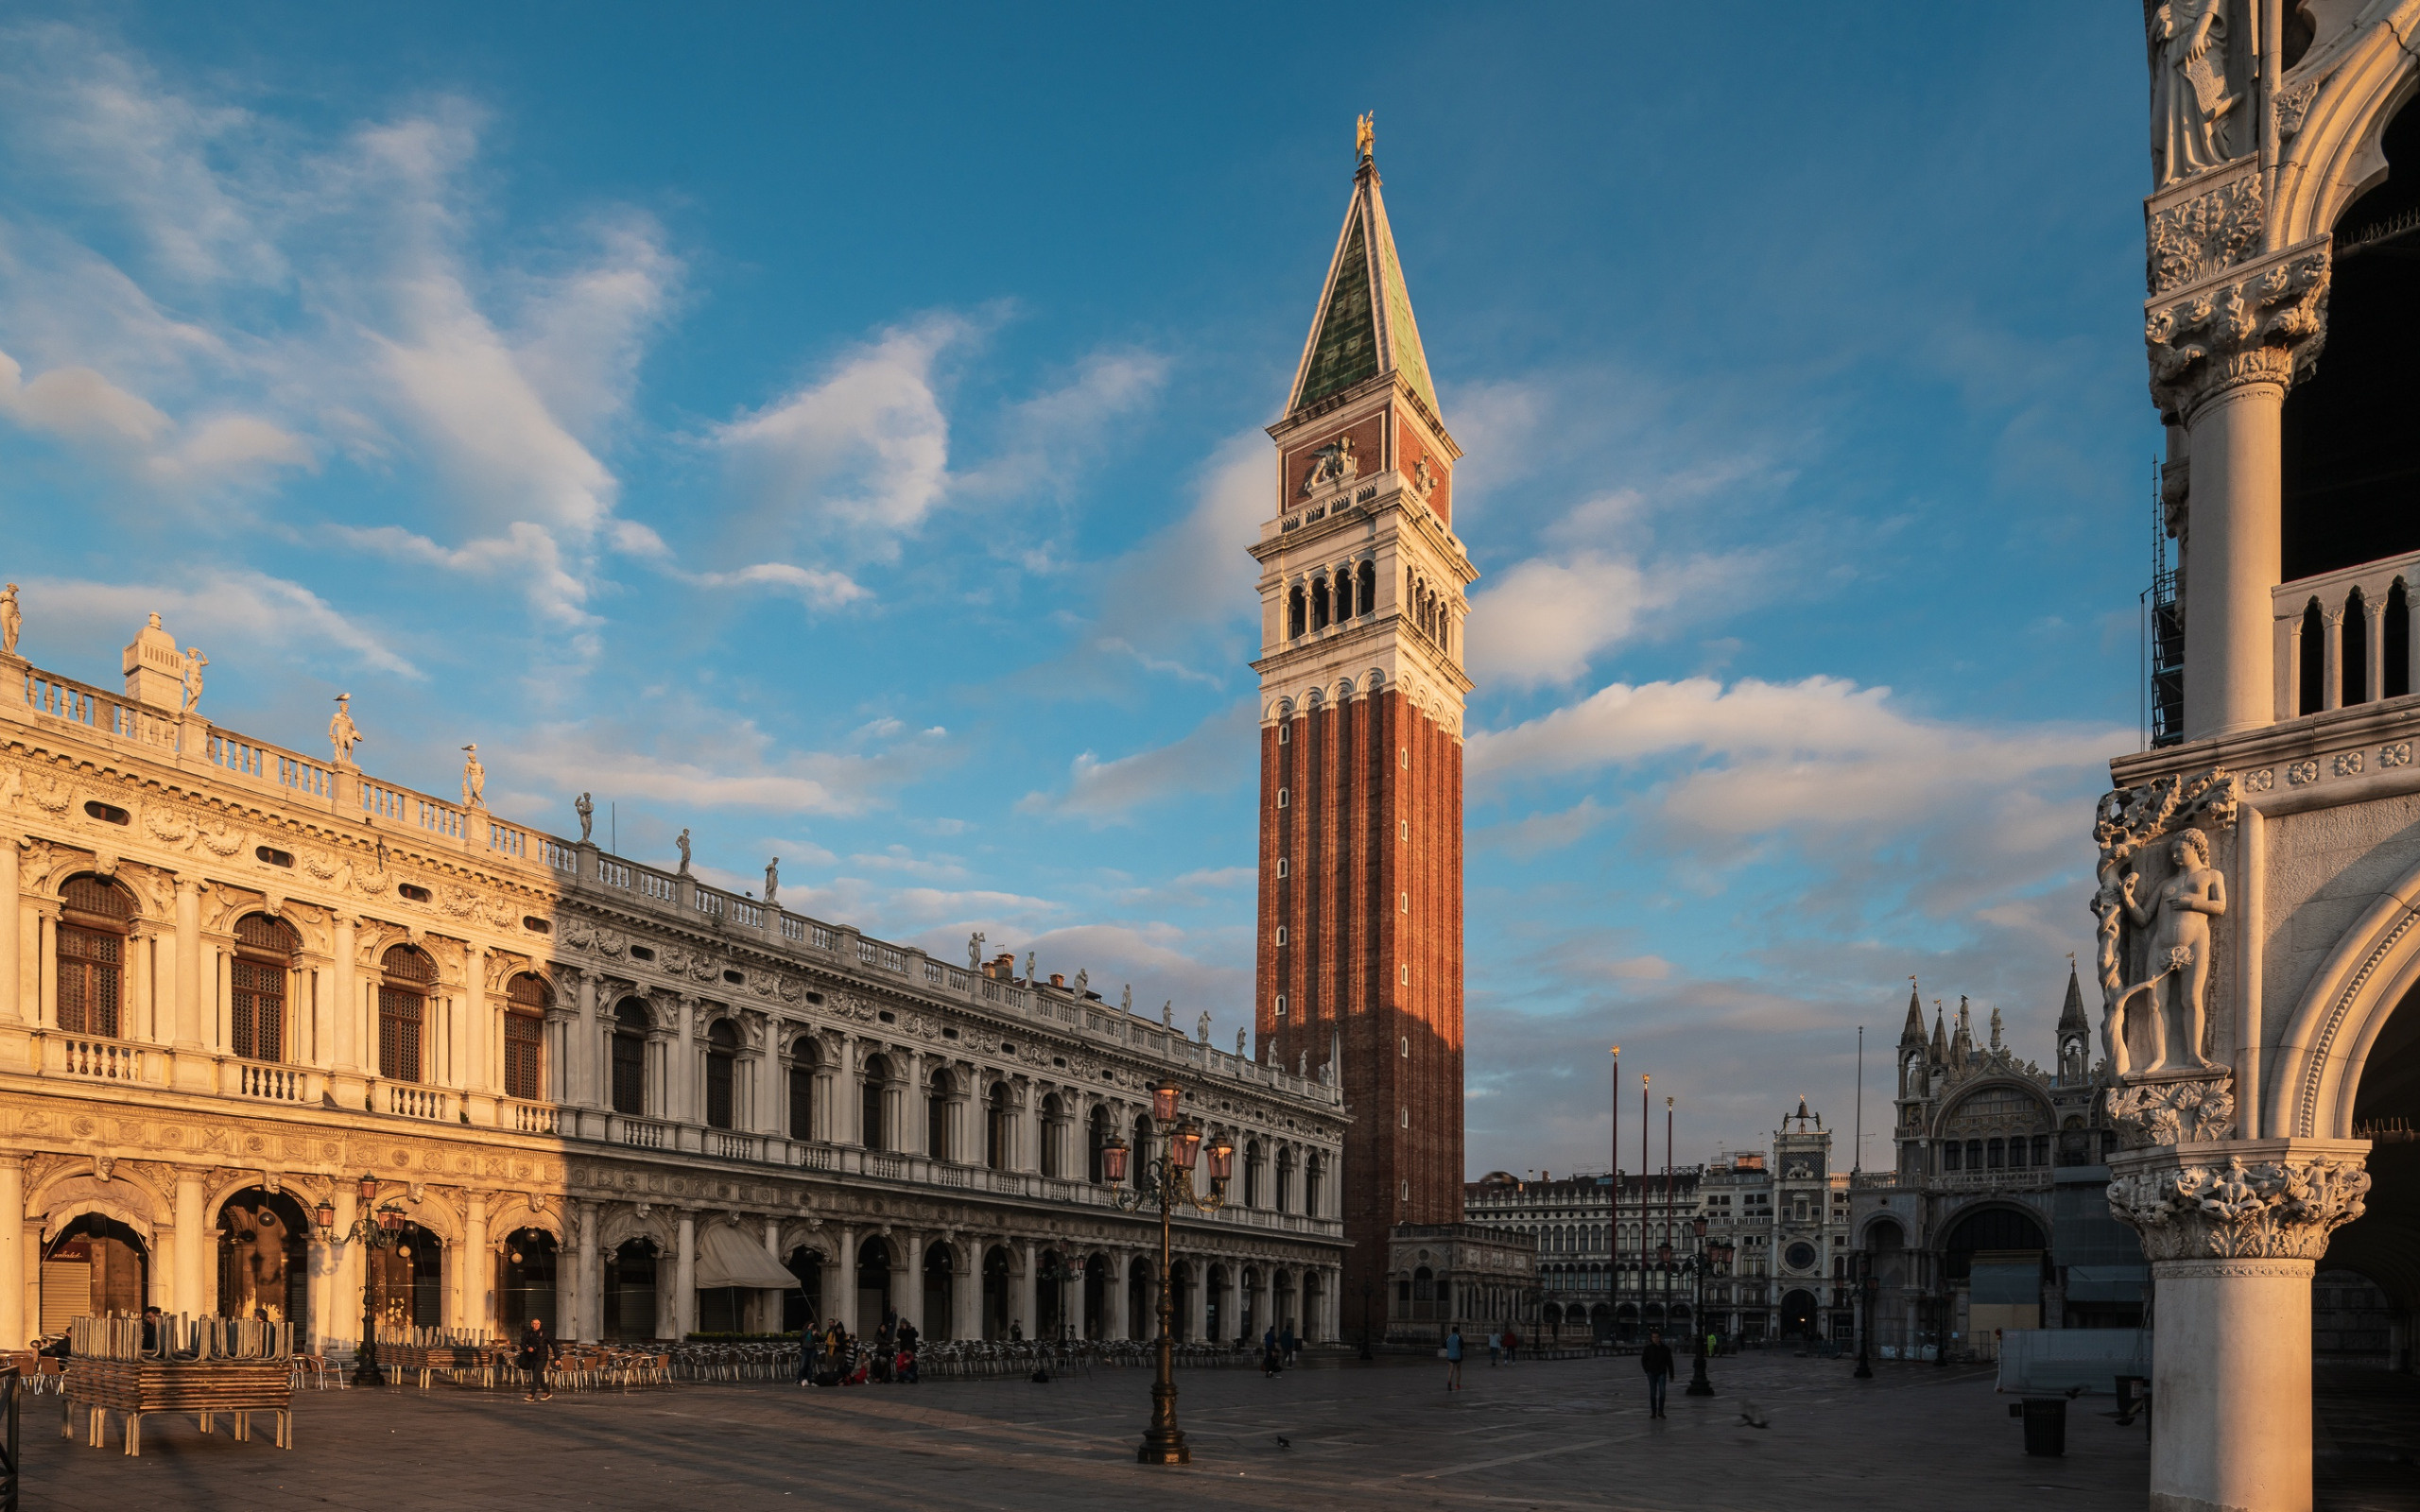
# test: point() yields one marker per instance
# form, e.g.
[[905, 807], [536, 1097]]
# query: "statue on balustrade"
[[343, 734], [586, 808], [1201, 1027], [475, 778], [195, 662], [975, 951], [773, 880], [683, 841], [12, 620]]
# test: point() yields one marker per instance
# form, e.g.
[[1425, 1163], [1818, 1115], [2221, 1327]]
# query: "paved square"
[[1543, 1435]]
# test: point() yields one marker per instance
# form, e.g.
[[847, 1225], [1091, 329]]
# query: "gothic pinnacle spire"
[[1365, 327], [1914, 1033], [2071, 1012]]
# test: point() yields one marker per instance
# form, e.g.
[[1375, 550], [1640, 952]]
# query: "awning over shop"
[[726, 1256]]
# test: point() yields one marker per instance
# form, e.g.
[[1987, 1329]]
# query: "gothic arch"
[[2336, 157], [2311, 1088]]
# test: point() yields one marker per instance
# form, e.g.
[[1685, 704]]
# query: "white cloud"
[[1167, 591], [212, 606], [863, 451], [83, 408], [1212, 757]]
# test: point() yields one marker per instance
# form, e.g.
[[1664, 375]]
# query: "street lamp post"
[[1716, 1258], [376, 1229], [1169, 1181]]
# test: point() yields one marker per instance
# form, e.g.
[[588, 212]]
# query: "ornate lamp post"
[[374, 1229], [1168, 1179], [1716, 1258]]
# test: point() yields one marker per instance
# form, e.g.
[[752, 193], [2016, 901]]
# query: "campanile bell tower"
[[1362, 599]]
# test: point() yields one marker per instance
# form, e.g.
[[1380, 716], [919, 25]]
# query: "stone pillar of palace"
[[2232, 560], [193, 991], [1025, 1308], [190, 1292], [840, 1282], [684, 1277], [1113, 1295], [587, 1322], [13, 1333], [478, 1288], [342, 1316], [12, 1013], [1197, 1298], [908, 1289], [769, 1302], [966, 1297]]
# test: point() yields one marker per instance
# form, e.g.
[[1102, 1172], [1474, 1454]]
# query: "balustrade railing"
[[417, 1102], [639, 1134], [537, 1118], [103, 1060], [614, 873], [276, 1084], [728, 1146], [560, 856], [656, 885], [2346, 637]]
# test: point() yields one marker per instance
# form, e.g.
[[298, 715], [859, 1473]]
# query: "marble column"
[[1112, 1299], [966, 1296], [345, 997], [479, 1300], [12, 1000], [768, 1302], [908, 1295], [1197, 1299], [2234, 1231], [684, 1279], [13, 1332], [190, 1294], [588, 1278], [195, 998], [2232, 559], [1025, 1308], [346, 1273], [840, 1282]]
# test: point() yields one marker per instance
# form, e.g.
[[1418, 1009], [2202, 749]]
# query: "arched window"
[[265, 947], [525, 1037], [2313, 660], [1096, 1136], [1369, 577], [722, 1062], [1950, 1160], [1251, 1173], [1285, 1180], [937, 1100], [804, 1058], [873, 1128], [1423, 1286], [631, 1024], [1314, 1184], [1319, 603], [1054, 1136], [1294, 611], [94, 918], [403, 1008], [2397, 663], [997, 1127], [1138, 1164]]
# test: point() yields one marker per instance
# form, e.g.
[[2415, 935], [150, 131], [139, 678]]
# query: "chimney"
[[155, 669]]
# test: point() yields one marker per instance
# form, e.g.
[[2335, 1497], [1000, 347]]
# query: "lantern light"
[[1698, 1224], [1164, 1101], [1112, 1161], [1186, 1145], [368, 1189], [327, 1216], [1222, 1158], [1664, 1255]]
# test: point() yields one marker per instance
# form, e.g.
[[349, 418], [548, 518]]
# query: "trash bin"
[[2046, 1424]]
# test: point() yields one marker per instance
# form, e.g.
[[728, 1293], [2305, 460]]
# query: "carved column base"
[[2233, 1229]]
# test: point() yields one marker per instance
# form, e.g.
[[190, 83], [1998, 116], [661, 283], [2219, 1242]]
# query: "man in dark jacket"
[[535, 1353], [1656, 1360]]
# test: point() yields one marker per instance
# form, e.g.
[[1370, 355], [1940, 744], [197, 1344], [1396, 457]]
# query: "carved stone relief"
[[2283, 1208], [2257, 326], [2192, 238]]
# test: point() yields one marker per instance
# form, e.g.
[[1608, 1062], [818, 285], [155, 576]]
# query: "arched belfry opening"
[[2351, 449]]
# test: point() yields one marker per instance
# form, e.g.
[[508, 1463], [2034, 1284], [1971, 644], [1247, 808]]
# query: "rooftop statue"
[[475, 778], [586, 808], [343, 734], [195, 662], [12, 620]]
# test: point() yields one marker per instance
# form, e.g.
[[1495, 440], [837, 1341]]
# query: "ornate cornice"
[[2257, 323], [2252, 1199]]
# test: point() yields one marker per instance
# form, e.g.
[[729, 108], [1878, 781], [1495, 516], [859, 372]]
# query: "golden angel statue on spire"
[[1365, 133]]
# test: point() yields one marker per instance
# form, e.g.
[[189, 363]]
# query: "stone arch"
[[61, 1202], [797, 1234], [1967, 1093], [2336, 157], [622, 1223], [2310, 1088]]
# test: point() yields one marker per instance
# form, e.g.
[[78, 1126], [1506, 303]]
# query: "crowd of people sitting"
[[837, 1358]]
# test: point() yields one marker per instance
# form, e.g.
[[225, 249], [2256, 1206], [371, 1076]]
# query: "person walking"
[[1271, 1363], [1656, 1360], [1453, 1359], [1494, 1351], [1286, 1342], [536, 1353], [1512, 1345]]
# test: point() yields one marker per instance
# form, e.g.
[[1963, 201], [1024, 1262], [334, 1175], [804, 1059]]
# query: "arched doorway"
[[1995, 1260], [409, 1277], [1798, 1313], [525, 1281], [1142, 1304], [1050, 1296], [96, 1265], [630, 1291], [873, 1283], [802, 1305], [940, 1291], [263, 1263], [2369, 1280], [995, 1295]]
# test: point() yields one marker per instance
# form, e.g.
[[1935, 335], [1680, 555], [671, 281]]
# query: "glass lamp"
[[1222, 1159], [1186, 1144], [1112, 1161], [1164, 1101]]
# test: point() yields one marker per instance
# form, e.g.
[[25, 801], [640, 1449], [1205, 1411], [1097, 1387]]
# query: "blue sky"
[[837, 431]]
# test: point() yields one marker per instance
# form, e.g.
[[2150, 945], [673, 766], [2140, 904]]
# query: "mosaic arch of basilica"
[[235, 978], [2259, 895]]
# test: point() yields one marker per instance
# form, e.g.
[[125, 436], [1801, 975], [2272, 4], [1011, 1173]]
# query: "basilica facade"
[[249, 994]]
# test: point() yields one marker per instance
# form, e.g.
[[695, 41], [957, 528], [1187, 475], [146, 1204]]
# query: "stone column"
[[577, 1078], [840, 1282], [1024, 1304], [190, 1294], [1112, 1299], [591, 1273], [684, 1279], [768, 1302], [479, 1300], [345, 997], [2222, 355], [13, 1332], [1197, 1299], [911, 1300], [11, 942], [2234, 1230], [193, 1068], [966, 1297], [343, 1319], [470, 1059]]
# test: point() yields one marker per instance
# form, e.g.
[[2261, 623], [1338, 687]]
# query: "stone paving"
[[1561, 1434]]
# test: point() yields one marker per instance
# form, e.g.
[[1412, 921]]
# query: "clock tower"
[[1362, 592]]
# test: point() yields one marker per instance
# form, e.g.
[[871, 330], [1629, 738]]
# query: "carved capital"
[[2197, 233], [2190, 1111], [2258, 323], [2247, 1199]]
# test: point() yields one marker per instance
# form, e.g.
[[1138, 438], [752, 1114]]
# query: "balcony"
[[2345, 637]]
